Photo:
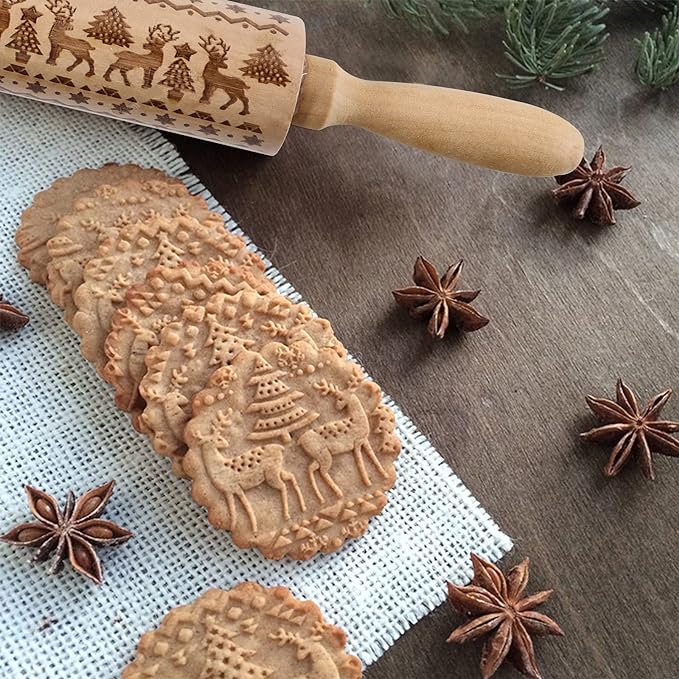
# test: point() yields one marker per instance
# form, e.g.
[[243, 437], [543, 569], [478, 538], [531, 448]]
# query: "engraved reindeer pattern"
[[5, 14], [215, 80], [159, 35], [237, 474], [61, 40], [321, 664], [346, 435]]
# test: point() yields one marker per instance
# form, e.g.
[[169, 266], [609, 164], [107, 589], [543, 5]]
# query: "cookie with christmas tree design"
[[159, 300], [291, 449], [39, 221], [101, 214], [127, 258], [247, 632], [206, 337]]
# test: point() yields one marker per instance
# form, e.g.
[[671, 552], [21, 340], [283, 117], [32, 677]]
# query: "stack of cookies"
[[286, 442]]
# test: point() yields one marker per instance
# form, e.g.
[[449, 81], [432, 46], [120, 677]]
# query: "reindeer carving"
[[5, 7], [347, 435], [159, 36], [322, 666], [60, 40], [214, 80], [234, 475]]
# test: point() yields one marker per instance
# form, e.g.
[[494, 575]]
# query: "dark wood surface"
[[344, 213]]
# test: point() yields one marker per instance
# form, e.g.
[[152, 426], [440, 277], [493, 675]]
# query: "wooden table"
[[344, 214]]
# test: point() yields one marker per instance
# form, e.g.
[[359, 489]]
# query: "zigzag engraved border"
[[219, 13]]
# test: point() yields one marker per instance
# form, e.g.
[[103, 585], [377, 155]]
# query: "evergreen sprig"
[[658, 62], [553, 40], [432, 14]]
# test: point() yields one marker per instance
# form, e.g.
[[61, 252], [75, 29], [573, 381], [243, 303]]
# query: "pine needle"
[[552, 40], [432, 14], [658, 62]]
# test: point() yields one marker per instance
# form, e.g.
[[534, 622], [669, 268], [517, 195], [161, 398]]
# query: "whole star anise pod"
[[439, 299], [11, 318], [595, 192], [498, 607], [74, 532], [632, 430]]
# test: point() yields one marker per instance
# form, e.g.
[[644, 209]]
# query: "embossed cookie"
[[159, 300], [291, 449], [127, 258], [207, 337], [248, 632], [39, 221], [101, 214]]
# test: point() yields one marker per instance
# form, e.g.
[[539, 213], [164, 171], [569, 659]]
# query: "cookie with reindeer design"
[[125, 260], [39, 221], [159, 300], [247, 632], [101, 214], [206, 337], [291, 449]]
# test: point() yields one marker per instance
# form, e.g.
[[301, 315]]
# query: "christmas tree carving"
[[226, 660], [111, 28], [25, 38], [167, 253], [267, 66], [178, 75], [225, 342], [278, 414]]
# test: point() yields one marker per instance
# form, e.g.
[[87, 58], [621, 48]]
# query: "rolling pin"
[[240, 76]]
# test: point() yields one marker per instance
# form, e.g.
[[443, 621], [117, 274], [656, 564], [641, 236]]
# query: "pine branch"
[[658, 62], [655, 5], [553, 40], [432, 15]]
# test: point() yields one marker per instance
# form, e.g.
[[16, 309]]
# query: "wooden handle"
[[476, 128]]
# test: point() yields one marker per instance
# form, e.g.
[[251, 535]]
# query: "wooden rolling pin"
[[240, 76]]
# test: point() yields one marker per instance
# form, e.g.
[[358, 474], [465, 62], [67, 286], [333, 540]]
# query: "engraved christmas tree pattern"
[[224, 341], [167, 253], [226, 660], [266, 66], [178, 75], [25, 38], [110, 28], [274, 404], [5, 14]]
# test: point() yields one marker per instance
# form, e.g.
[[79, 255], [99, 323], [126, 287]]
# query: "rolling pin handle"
[[480, 129]]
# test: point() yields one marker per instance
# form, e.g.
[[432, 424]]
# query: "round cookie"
[[100, 214], [248, 632], [291, 449], [207, 337], [127, 258], [39, 221], [159, 300]]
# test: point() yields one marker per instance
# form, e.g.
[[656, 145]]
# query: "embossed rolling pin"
[[240, 76]]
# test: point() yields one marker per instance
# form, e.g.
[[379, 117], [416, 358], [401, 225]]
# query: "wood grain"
[[344, 213], [214, 70], [476, 128]]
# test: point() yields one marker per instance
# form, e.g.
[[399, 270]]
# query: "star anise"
[[440, 300], [595, 192], [11, 318], [633, 430], [498, 607], [73, 532]]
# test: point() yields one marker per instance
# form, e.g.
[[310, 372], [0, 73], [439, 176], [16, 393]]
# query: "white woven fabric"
[[60, 430]]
